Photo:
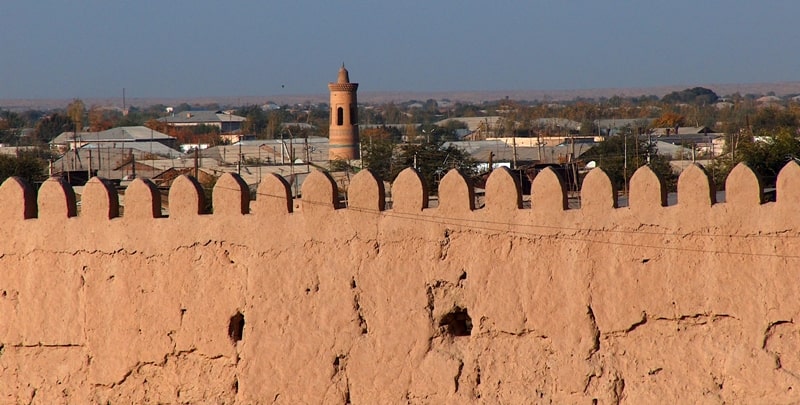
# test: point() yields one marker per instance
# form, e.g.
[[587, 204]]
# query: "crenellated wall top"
[[502, 199]]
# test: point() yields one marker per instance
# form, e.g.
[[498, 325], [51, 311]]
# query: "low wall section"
[[302, 301]]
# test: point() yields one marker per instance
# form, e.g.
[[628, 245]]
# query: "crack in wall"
[[444, 244], [595, 333], [362, 322], [340, 376], [697, 319], [769, 335], [457, 378], [476, 389], [137, 368], [43, 345], [617, 389]]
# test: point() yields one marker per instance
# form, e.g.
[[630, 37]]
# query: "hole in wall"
[[236, 327], [457, 322], [338, 363]]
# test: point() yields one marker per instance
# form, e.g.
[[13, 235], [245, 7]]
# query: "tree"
[[669, 120], [613, 154], [448, 131], [772, 119], [10, 125], [27, 165], [392, 114], [588, 128], [51, 126], [766, 145], [75, 111], [767, 155], [101, 119], [256, 120], [433, 161], [695, 95], [377, 152], [274, 120]]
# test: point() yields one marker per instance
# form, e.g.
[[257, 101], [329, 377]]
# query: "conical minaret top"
[[344, 76]]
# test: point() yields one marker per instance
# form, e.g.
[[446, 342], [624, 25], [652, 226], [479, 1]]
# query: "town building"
[[226, 121], [136, 137]]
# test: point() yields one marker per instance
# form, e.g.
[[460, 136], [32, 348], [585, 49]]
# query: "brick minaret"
[[344, 118]]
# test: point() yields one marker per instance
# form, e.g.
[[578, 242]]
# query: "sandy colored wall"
[[281, 301]]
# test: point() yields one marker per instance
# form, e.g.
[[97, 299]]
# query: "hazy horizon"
[[62, 50]]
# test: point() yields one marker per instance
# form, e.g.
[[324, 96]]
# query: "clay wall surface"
[[301, 301]]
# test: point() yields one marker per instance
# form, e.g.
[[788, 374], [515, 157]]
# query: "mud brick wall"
[[288, 301]]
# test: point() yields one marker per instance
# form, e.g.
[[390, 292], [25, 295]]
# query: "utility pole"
[[514, 150], [308, 154], [133, 164], [239, 165], [625, 163]]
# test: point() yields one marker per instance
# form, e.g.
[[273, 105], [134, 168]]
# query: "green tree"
[[256, 120], [377, 152], [695, 95], [11, 124], [767, 154], [620, 156], [51, 126], [30, 166], [433, 160], [772, 119]]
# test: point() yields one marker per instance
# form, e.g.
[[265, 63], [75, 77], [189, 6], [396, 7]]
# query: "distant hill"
[[780, 89]]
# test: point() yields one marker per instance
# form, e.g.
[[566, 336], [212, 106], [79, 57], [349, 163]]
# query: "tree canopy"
[[51, 126], [695, 95], [621, 155], [433, 160], [382, 154], [29, 165]]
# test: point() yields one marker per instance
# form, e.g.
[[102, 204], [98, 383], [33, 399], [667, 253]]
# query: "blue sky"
[[94, 48]]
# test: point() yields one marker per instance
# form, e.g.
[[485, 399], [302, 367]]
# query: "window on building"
[[340, 116]]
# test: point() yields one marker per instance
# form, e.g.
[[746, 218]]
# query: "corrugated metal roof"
[[503, 152], [145, 146], [200, 117], [119, 134]]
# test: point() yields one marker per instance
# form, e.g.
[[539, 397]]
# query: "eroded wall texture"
[[300, 301]]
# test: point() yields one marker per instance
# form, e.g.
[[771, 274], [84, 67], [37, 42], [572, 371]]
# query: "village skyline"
[[781, 89]]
